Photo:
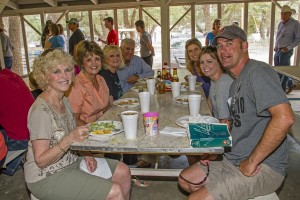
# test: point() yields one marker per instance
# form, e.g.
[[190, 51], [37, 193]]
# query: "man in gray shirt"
[[146, 50], [260, 116], [287, 38], [7, 47]]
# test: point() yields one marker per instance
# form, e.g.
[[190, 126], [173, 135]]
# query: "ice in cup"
[[192, 82], [176, 87], [144, 101], [151, 123], [151, 85], [130, 119], [194, 104]]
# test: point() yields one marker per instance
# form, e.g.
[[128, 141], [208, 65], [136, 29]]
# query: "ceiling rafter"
[[52, 3], [95, 2], [3, 4], [12, 5]]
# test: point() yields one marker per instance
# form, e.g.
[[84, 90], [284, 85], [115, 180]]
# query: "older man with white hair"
[[287, 38]]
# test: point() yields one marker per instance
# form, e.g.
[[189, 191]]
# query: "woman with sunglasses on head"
[[192, 53]]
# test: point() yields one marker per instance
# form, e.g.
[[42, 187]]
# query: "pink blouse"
[[86, 100]]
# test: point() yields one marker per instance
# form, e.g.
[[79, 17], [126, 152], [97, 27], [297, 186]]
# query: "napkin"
[[174, 131], [102, 169]]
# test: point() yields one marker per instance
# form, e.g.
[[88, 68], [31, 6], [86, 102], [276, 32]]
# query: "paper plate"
[[183, 121], [107, 127], [127, 102]]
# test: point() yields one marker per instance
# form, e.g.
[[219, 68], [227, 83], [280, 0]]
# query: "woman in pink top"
[[89, 95]]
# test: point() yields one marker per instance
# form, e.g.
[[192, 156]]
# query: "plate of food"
[[139, 88], [143, 80], [127, 102], [182, 99], [185, 85], [183, 121], [105, 128]]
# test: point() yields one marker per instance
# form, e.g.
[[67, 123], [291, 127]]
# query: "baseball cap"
[[73, 20], [286, 9], [230, 32]]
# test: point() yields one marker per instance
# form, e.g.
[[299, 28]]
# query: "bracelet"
[[61, 148]]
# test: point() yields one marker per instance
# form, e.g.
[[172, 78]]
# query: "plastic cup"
[[194, 104], [192, 82], [151, 123], [176, 87], [144, 101], [130, 119], [151, 85]]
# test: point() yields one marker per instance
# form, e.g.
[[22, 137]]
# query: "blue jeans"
[[13, 145], [148, 60], [284, 59], [8, 62]]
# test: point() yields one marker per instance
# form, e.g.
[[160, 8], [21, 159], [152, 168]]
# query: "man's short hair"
[[128, 41], [140, 23], [109, 19]]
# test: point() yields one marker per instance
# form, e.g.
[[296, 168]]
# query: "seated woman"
[[192, 52], [220, 83], [52, 170], [89, 95], [113, 61], [53, 40]]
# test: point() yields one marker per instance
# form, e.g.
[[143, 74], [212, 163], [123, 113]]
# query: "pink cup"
[[151, 123]]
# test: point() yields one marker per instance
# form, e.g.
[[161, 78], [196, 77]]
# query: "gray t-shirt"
[[44, 123], [218, 94], [145, 38], [251, 94]]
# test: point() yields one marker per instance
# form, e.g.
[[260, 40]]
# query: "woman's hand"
[[91, 163], [79, 134]]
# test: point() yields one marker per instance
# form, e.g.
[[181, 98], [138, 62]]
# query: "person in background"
[[89, 94], [287, 38], [192, 55], [52, 170], [53, 40], [135, 67], [15, 102], [76, 37], [35, 90], [45, 32], [260, 116], [146, 50], [112, 37], [7, 48], [215, 30], [236, 23], [62, 35], [113, 62]]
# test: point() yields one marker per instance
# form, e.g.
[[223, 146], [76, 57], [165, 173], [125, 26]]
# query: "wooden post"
[[25, 43]]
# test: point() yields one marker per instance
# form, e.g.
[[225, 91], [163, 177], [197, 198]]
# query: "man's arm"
[[150, 47], [146, 70], [282, 118], [296, 41]]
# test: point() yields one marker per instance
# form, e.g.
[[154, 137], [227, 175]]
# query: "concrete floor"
[[13, 188]]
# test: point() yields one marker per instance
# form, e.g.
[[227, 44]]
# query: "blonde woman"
[[192, 53], [52, 169], [89, 94], [113, 61], [53, 40]]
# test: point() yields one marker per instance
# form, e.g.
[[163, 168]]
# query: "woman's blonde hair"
[[86, 48], [189, 62], [108, 49], [46, 62]]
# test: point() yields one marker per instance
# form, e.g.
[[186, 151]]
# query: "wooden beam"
[[151, 17], [61, 16], [2, 63], [52, 3], [95, 2], [36, 30], [91, 22], [25, 43], [3, 4], [186, 12], [12, 5], [272, 27], [277, 4], [193, 21]]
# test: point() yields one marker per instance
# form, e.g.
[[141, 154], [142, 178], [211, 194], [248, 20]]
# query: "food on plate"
[[101, 127], [127, 102]]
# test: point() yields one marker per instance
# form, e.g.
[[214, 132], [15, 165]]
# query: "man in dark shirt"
[[76, 37]]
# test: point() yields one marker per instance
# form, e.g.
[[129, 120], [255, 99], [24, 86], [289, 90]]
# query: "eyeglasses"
[[201, 182]]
